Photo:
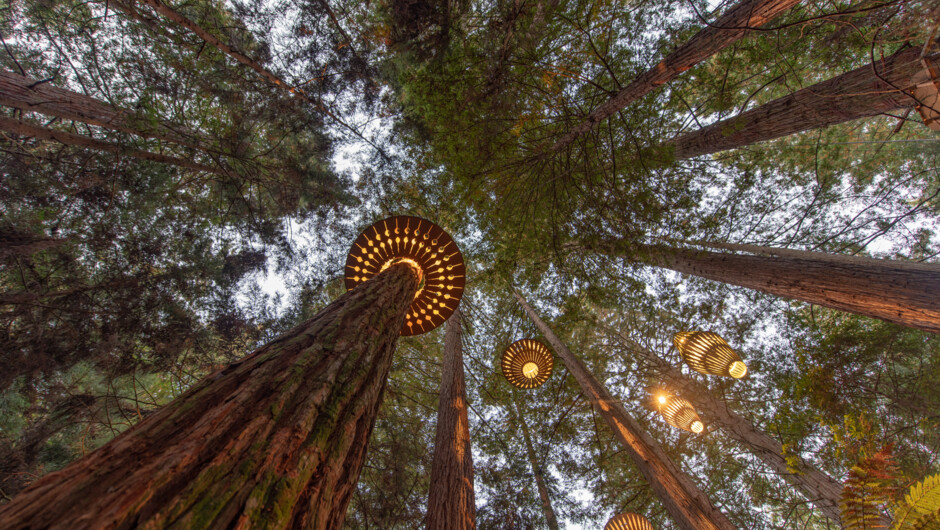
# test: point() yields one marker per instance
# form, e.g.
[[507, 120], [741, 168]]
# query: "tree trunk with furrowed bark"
[[871, 90], [28, 95], [815, 485], [903, 292], [451, 501], [688, 506], [276, 440], [730, 27], [550, 518]]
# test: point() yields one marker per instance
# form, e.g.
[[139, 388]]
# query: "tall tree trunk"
[[15, 242], [729, 28], [689, 507], [451, 503], [903, 292], [815, 485], [77, 140], [867, 91], [27, 95], [275, 440], [547, 509]]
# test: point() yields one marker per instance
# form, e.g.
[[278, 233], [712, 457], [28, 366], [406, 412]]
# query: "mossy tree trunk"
[[870, 90], [903, 292], [688, 506], [550, 518], [451, 502], [276, 440]]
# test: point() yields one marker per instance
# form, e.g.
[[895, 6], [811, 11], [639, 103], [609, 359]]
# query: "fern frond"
[[921, 506]]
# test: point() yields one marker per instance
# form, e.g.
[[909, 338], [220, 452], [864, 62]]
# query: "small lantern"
[[708, 353], [679, 413], [423, 245], [628, 521], [527, 363]]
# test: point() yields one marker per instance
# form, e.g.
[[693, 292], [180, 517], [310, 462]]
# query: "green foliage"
[[921, 506]]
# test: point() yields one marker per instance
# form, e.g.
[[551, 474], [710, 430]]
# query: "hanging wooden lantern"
[[423, 245], [628, 521], [527, 363], [679, 413], [708, 353]]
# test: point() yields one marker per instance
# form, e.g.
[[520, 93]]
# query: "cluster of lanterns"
[[526, 363]]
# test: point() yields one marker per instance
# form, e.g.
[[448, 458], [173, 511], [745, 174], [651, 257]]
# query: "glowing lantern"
[[679, 413], [423, 245], [527, 363], [628, 521], [708, 353]]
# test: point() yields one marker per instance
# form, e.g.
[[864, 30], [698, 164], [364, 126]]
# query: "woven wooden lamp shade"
[[527, 363], [708, 353], [422, 244], [679, 413], [628, 521]]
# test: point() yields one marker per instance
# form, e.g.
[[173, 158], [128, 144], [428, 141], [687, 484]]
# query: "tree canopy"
[[180, 182]]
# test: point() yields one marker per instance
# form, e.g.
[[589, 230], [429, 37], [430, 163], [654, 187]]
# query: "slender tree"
[[902, 292], [688, 506], [870, 90], [451, 504], [35, 131], [274, 440], [729, 28], [537, 467]]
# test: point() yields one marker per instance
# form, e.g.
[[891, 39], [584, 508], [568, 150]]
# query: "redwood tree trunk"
[[903, 292], [547, 509], [451, 503], [867, 91], [67, 138], [25, 94], [729, 28], [689, 507], [275, 440], [815, 485]]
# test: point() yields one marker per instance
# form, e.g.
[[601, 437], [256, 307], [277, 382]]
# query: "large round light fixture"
[[422, 244], [679, 413], [628, 521], [527, 363], [708, 353]]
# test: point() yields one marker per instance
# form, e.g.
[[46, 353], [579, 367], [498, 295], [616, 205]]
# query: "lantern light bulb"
[[662, 400], [737, 370], [530, 370], [697, 426]]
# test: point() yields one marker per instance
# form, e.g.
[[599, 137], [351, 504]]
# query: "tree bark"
[[77, 140], [27, 95], [867, 91], [689, 507], [729, 28], [903, 292], [451, 503], [815, 485], [275, 440], [547, 509]]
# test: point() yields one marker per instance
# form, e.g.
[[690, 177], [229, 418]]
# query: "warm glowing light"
[[679, 413], [708, 353], [628, 521], [429, 250], [527, 363], [737, 370], [530, 370]]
